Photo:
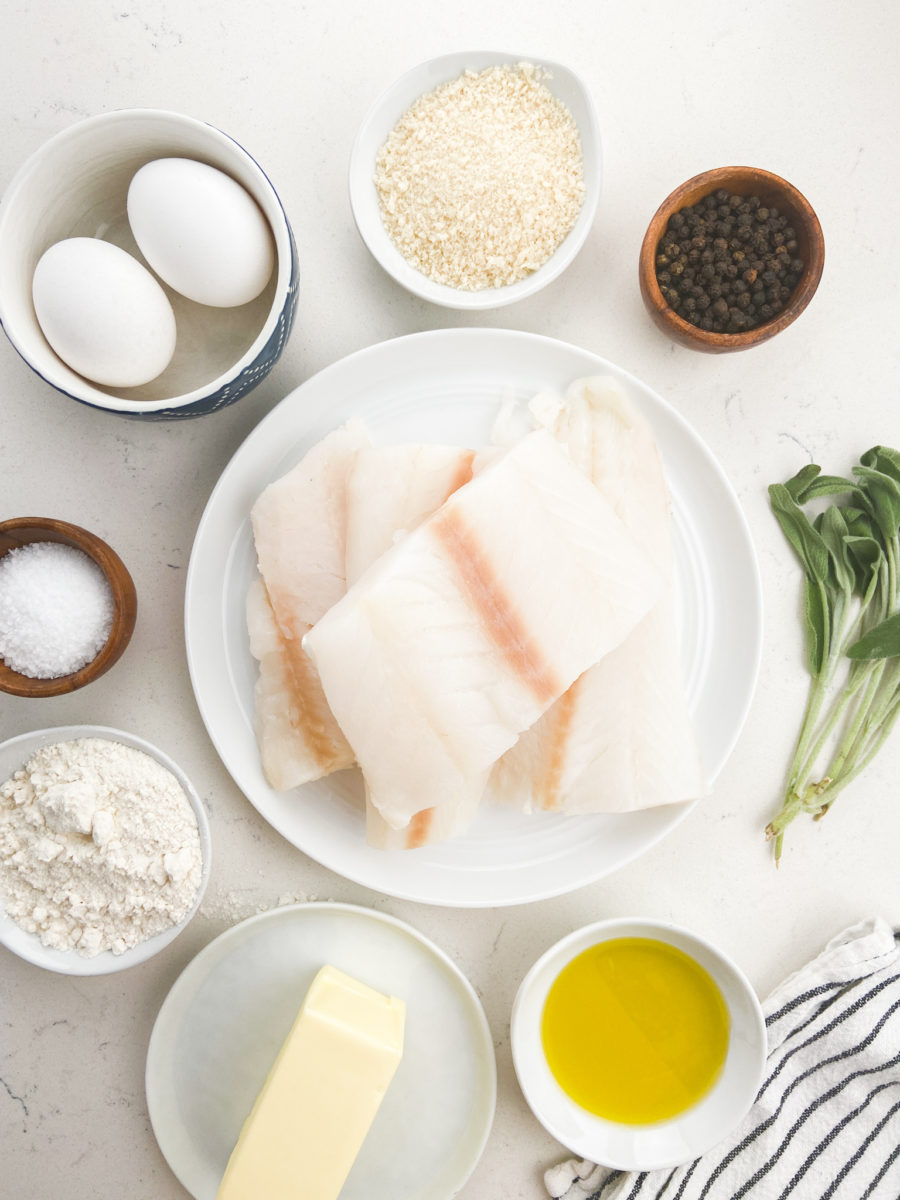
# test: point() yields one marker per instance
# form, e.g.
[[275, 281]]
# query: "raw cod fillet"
[[363, 496], [299, 531], [428, 826], [621, 737], [283, 749], [391, 490], [465, 632]]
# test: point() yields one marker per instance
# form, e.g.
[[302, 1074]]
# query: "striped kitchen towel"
[[826, 1121]]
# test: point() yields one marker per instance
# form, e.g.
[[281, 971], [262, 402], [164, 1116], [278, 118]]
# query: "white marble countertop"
[[805, 89]]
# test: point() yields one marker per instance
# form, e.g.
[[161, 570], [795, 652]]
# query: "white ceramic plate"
[[447, 385], [223, 1022]]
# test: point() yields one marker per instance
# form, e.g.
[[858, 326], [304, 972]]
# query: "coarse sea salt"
[[56, 609]]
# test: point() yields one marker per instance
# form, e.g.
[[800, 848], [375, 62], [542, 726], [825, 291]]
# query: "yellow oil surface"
[[634, 1030]]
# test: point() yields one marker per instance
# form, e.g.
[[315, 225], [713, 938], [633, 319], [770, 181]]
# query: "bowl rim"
[[28, 946], [281, 233], [124, 596], [363, 199], [666, 317], [557, 956]]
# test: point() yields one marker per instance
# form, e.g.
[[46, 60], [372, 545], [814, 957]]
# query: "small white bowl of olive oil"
[[637, 1044]]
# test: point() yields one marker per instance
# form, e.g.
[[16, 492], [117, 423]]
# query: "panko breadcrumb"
[[482, 178]]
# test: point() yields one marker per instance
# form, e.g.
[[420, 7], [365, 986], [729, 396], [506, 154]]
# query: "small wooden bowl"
[[743, 181], [20, 532]]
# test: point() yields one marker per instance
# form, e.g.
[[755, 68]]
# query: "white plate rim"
[[390, 355], [217, 950]]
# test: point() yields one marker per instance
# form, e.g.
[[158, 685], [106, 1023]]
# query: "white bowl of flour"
[[104, 849]]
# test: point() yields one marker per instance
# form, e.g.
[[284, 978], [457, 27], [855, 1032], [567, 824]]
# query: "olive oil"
[[635, 1030]]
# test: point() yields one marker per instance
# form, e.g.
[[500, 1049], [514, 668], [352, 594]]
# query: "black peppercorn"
[[728, 262]]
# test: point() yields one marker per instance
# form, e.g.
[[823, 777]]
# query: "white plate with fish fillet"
[[449, 386], [221, 1026]]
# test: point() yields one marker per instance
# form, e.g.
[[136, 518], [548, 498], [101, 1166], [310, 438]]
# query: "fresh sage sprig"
[[850, 554]]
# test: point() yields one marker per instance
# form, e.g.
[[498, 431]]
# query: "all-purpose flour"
[[99, 846]]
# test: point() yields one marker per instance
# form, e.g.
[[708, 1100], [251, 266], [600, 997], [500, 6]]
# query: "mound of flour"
[[99, 847]]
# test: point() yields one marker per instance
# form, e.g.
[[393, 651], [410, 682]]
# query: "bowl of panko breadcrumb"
[[475, 177]]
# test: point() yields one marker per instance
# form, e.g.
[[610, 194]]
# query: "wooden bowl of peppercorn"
[[731, 258]]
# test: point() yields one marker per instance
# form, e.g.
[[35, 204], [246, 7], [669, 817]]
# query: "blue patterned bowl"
[[75, 185]]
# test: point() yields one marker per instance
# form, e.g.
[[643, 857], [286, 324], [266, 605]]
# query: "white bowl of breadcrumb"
[[475, 177]]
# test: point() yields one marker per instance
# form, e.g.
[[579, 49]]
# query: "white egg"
[[103, 312], [200, 231]]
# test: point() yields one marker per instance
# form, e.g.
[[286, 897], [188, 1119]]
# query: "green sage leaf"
[[860, 522], [856, 542], [867, 560], [806, 542], [832, 528], [882, 641], [817, 620], [826, 485], [797, 485], [883, 459], [884, 495]]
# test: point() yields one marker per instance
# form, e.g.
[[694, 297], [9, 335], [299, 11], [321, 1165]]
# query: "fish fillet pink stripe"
[[495, 606]]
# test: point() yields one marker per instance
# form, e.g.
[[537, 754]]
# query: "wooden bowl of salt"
[[65, 618]]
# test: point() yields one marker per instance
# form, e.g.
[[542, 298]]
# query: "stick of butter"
[[312, 1115]]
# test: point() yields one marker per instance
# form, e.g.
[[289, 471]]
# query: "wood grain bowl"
[[743, 181], [20, 531]]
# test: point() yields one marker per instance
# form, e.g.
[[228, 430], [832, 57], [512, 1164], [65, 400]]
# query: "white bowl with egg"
[[380, 121], [627, 1144], [14, 754], [72, 195]]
